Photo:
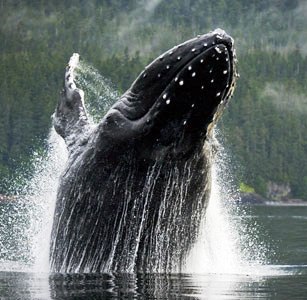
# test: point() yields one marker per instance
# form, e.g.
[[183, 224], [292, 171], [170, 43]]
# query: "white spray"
[[224, 245], [228, 243]]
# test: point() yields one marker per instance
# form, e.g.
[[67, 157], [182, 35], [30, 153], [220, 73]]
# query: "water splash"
[[26, 221], [44, 186], [99, 92], [229, 243]]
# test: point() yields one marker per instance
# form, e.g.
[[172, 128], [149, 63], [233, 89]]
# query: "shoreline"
[[255, 199], [281, 203]]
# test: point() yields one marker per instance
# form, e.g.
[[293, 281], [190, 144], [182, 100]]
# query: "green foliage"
[[265, 124], [244, 188]]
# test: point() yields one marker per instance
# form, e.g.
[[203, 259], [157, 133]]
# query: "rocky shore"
[[255, 199]]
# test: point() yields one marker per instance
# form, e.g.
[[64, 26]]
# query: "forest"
[[264, 127]]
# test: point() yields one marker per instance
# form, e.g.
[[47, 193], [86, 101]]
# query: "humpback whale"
[[136, 185]]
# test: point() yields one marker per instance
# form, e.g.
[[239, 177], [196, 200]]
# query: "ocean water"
[[242, 252], [285, 277]]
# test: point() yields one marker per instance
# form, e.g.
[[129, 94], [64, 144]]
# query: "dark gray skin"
[[137, 185]]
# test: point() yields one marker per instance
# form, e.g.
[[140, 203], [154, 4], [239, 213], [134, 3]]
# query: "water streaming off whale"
[[206, 256], [136, 186]]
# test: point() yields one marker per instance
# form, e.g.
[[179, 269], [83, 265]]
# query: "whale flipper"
[[70, 117]]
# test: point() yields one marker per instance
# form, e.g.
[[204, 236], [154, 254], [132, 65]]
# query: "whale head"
[[173, 104]]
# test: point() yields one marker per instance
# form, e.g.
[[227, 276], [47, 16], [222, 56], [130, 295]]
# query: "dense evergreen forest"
[[265, 124]]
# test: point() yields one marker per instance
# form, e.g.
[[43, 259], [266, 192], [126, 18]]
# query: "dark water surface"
[[285, 277]]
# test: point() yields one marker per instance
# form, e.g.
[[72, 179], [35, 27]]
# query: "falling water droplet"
[[181, 82], [193, 74], [164, 96], [168, 101]]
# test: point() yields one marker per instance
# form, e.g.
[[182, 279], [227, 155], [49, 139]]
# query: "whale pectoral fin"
[[70, 118]]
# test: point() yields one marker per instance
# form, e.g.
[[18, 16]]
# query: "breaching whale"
[[137, 184]]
